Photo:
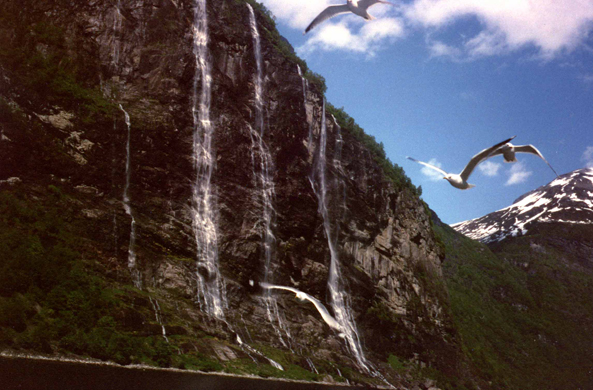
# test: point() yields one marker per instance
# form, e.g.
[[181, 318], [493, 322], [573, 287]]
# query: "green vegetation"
[[522, 314], [50, 300], [41, 62], [393, 171]]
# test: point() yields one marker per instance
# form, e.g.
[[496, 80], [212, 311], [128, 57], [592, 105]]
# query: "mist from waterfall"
[[262, 171], [211, 294], [339, 304], [132, 266]]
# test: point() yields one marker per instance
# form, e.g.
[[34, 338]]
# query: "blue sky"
[[440, 80]]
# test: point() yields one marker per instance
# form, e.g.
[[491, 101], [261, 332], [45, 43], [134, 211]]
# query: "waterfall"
[[305, 89], [127, 207], [262, 171], [339, 304], [157, 315], [211, 295], [117, 22], [249, 348]]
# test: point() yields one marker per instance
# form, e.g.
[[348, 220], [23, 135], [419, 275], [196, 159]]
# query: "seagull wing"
[[364, 4], [497, 152], [428, 165], [327, 13], [273, 286], [478, 158], [533, 150], [331, 321]]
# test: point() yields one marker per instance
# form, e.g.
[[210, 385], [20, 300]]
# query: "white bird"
[[302, 296], [460, 181], [357, 7], [508, 152]]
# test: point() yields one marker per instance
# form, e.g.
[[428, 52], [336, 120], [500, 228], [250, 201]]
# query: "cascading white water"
[[249, 348], [264, 178], [132, 266], [211, 294], [305, 89], [117, 22], [157, 314], [342, 312]]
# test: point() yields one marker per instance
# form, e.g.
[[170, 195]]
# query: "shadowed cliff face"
[[64, 71]]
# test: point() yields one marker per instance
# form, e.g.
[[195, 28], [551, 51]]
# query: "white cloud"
[[296, 14], [518, 174], [343, 32], [354, 35], [551, 26], [431, 174], [489, 168], [440, 49], [587, 157]]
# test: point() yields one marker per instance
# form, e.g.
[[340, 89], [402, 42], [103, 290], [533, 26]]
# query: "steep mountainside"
[[568, 199], [522, 304], [160, 159]]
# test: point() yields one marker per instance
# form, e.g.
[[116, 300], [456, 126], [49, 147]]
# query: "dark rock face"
[[141, 57], [566, 199]]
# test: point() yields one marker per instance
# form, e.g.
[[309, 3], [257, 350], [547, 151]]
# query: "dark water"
[[39, 374]]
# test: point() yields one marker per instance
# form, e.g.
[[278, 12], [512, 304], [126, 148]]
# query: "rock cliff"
[[100, 160]]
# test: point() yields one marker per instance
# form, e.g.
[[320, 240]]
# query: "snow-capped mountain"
[[568, 199]]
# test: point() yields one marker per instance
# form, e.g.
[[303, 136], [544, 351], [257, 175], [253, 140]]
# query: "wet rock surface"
[[140, 56]]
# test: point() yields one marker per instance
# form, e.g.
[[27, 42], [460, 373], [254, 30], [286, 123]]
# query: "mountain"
[[522, 302], [567, 199], [159, 159]]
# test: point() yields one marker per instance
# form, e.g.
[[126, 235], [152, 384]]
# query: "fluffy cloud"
[[431, 174], [587, 157], [440, 49], [296, 14], [348, 35], [550, 25], [489, 168], [518, 174], [344, 32]]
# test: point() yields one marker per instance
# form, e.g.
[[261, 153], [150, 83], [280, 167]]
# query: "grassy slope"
[[522, 313]]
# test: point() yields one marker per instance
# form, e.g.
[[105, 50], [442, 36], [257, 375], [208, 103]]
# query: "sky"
[[441, 80]]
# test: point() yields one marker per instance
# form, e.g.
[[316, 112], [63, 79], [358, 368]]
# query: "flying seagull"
[[460, 181], [357, 7], [302, 296], [508, 152]]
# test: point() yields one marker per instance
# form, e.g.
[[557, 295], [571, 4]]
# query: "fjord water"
[[34, 374]]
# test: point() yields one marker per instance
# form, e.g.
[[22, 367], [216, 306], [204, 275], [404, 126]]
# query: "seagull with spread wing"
[[508, 152], [357, 7], [460, 181], [302, 296]]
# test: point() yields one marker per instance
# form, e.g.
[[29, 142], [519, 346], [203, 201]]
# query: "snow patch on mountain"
[[567, 199]]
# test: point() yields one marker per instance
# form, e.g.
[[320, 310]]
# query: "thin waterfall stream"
[[157, 314], [262, 171], [341, 309], [211, 290], [132, 266], [305, 90]]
